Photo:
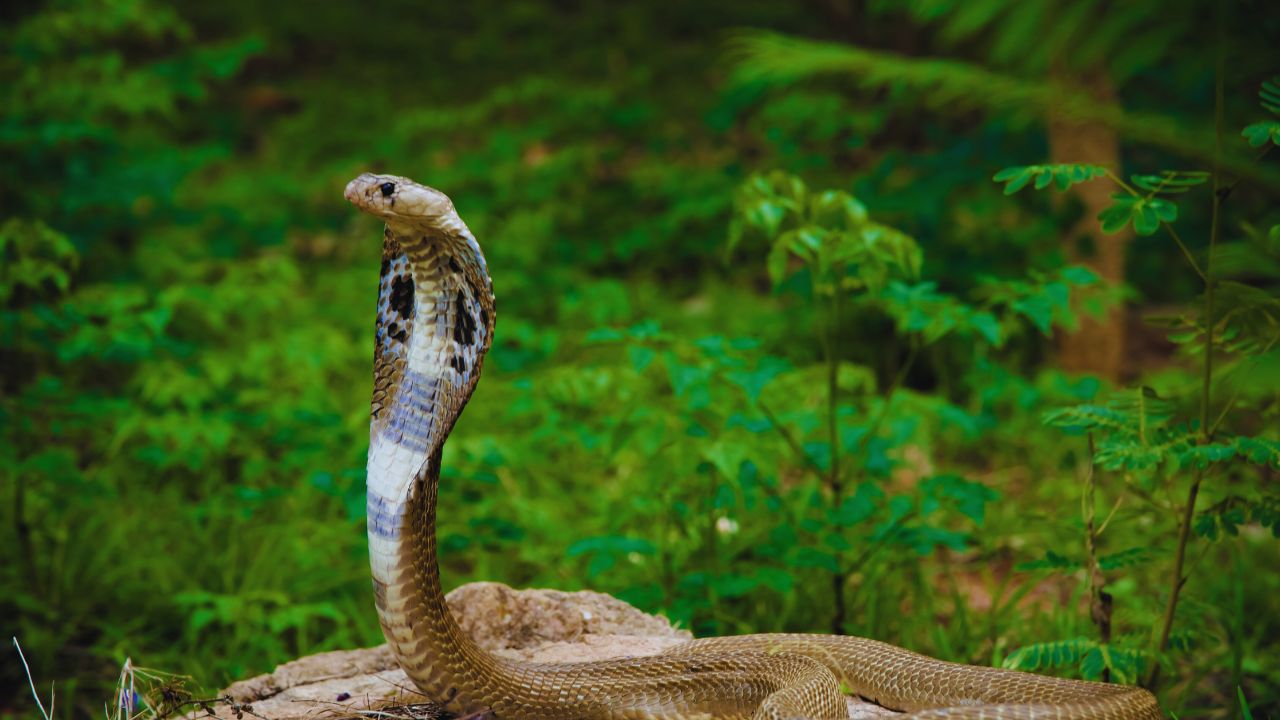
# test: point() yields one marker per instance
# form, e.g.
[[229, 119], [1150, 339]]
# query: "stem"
[[833, 400], [791, 441], [1100, 601], [1176, 578], [883, 412], [1204, 274], [834, 481], [1226, 192]]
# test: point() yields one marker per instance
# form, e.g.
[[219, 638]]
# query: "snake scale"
[[435, 322]]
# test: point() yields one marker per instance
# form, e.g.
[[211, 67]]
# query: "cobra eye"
[[387, 189]]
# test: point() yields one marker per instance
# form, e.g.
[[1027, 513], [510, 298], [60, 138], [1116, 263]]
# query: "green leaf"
[[1125, 558], [1050, 561], [34, 256], [1270, 94], [610, 544], [1202, 456], [1124, 664], [1060, 176], [1015, 178], [775, 579], [641, 356], [726, 456], [970, 497], [986, 325], [605, 335], [1260, 451], [1170, 181], [808, 557], [1146, 213], [1221, 521], [1118, 214], [731, 586], [1245, 712], [1059, 653], [860, 506], [753, 382], [1261, 133], [1078, 275]]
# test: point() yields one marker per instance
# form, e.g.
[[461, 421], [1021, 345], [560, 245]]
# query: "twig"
[[791, 441], [1114, 508], [1100, 601], [835, 482], [1176, 578], [1226, 191], [1185, 252]]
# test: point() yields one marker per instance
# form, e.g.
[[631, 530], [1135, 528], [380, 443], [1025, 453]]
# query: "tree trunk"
[[1098, 345]]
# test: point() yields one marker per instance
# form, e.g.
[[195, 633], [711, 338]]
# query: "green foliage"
[[828, 232], [947, 85], [1261, 133], [1267, 131], [1122, 664], [1152, 440], [1060, 176], [37, 259]]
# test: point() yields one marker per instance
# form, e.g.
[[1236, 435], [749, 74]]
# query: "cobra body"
[[435, 322]]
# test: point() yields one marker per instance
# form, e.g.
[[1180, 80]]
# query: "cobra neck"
[[434, 325]]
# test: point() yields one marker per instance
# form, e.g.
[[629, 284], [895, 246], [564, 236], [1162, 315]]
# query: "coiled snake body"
[[435, 322]]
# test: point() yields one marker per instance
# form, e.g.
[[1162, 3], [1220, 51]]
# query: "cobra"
[[435, 321]]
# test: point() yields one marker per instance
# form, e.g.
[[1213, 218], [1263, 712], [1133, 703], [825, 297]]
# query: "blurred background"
[[717, 390]]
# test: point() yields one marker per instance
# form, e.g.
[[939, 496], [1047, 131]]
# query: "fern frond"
[[1269, 95], [1049, 654], [772, 59], [1124, 664]]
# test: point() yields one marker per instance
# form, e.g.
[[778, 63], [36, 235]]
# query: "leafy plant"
[[1151, 440]]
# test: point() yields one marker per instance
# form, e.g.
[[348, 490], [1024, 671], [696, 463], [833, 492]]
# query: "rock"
[[535, 625], [521, 624]]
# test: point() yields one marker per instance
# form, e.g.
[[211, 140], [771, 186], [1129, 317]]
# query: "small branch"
[[791, 441], [1114, 508], [1186, 252], [1226, 191], [835, 482], [889, 393], [1176, 578], [874, 547], [1120, 181], [1100, 601], [833, 398]]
